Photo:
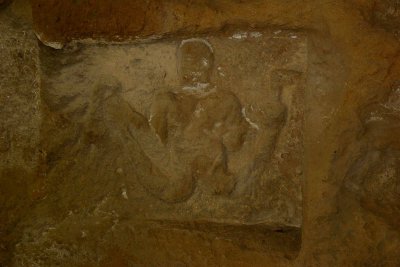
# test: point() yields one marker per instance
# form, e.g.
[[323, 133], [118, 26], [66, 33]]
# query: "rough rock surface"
[[19, 127], [138, 153]]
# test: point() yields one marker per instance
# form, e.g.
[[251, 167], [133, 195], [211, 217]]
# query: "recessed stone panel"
[[200, 129]]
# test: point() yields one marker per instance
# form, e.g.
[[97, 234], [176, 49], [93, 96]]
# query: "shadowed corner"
[[4, 3]]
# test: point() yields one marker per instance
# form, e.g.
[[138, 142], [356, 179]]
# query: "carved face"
[[195, 62]]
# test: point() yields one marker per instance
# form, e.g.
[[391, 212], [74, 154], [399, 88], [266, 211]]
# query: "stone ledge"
[[120, 20]]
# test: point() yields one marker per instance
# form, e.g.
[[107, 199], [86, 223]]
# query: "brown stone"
[[116, 20], [110, 185], [4, 3]]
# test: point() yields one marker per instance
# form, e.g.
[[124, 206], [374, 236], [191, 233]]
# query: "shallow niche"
[[206, 131]]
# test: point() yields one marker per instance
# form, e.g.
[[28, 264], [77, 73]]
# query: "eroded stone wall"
[[147, 154], [19, 128]]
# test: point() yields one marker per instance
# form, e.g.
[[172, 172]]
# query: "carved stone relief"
[[199, 129]]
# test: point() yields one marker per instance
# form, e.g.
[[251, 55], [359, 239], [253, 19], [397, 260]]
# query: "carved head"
[[195, 63]]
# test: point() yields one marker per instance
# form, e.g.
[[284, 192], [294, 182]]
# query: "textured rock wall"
[[85, 217], [19, 128]]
